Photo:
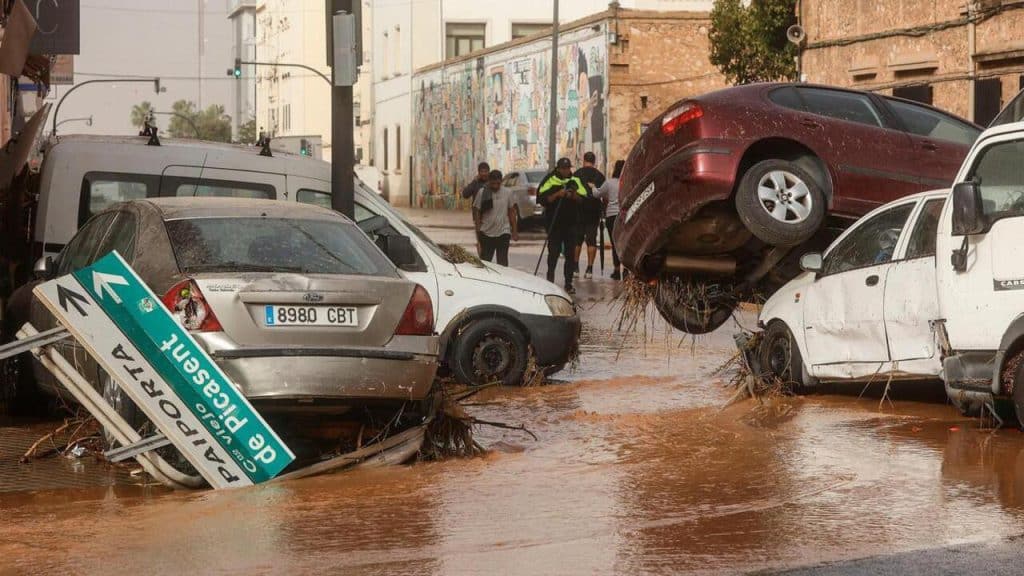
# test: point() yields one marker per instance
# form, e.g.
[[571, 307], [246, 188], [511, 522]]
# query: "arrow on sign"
[[101, 282], [66, 295]]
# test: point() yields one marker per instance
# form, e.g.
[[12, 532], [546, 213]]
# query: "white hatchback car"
[[859, 310]]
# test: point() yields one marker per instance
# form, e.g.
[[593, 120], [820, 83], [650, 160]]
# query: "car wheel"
[[780, 203], [490, 350], [781, 359], [1018, 393], [692, 315]]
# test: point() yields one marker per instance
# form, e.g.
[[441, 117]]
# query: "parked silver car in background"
[[523, 184]]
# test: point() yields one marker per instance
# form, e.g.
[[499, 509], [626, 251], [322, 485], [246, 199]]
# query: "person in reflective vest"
[[562, 195]]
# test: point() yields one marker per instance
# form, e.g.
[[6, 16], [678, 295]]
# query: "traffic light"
[[238, 68], [304, 148]]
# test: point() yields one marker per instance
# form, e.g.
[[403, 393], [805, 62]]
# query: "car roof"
[[192, 207]]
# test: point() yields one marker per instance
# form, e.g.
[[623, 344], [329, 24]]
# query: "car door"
[[855, 139], [940, 142], [844, 320], [911, 300]]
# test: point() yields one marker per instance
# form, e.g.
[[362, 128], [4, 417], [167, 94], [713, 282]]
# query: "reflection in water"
[[630, 474]]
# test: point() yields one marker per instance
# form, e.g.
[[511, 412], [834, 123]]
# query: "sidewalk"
[[438, 218]]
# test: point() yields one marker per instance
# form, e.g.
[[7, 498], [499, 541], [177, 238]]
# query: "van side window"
[[314, 197], [100, 190], [79, 252], [202, 187], [922, 241]]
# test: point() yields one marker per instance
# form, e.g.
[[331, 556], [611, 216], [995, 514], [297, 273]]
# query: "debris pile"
[[458, 255]]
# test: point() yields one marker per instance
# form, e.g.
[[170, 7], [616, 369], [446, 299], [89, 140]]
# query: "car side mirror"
[[812, 262], [968, 216], [398, 249], [44, 268]]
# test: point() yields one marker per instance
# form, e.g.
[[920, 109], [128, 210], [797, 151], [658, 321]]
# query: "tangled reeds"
[[456, 254], [450, 433]]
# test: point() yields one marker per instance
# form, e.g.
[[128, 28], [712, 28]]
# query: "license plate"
[[311, 316], [647, 193]]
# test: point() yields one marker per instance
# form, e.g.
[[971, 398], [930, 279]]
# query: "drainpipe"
[[972, 66]]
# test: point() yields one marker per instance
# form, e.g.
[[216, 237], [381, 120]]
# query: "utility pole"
[[343, 46], [553, 117]]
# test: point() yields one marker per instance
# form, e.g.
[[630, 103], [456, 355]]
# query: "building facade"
[[408, 36], [292, 103], [964, 57], [242, 14], [616, 71]]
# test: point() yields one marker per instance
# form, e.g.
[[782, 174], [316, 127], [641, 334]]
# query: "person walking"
[[561, 194], [608, 193], [494, 219], [590, 212], [471, 190]]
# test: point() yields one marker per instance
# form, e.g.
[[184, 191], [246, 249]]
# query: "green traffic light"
[[238, 72]]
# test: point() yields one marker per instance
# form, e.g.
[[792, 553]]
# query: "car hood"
[[510, 277]]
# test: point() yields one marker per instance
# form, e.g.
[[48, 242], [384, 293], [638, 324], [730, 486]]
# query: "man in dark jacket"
[[561, 194], [590, 212]]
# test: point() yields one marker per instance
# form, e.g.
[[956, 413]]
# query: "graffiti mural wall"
[[496, 108]]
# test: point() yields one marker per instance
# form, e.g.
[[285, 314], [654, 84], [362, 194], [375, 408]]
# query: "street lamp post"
[[87, 120], [289, 65], [56, 111]]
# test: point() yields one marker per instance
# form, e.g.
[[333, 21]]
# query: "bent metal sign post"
[[126, 328]]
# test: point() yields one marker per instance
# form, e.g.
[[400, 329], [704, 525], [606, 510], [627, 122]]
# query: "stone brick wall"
[[658, 60], [881, 46]]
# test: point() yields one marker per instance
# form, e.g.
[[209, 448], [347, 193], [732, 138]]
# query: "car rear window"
[[535, 177], [275, 245]]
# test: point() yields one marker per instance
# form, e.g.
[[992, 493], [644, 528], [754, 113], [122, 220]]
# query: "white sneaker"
[[589, 274]]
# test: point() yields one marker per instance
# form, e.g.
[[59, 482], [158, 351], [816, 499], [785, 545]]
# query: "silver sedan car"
[[298, 307], [523, 184]]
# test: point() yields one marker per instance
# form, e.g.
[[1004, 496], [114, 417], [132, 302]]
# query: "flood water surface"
[[636, 469]]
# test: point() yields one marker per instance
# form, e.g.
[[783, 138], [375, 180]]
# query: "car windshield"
[[1014, 112], [383, 207], [1000, 176], [274, 245]]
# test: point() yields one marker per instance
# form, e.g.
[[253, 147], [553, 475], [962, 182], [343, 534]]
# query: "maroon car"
[[721, 189]]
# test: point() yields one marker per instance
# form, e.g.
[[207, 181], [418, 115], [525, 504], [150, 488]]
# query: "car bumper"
[[700, 173], [555, 339], [403, 370]]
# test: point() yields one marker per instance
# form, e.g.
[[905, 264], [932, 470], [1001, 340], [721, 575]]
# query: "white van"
[[931, 285], [491, 319]]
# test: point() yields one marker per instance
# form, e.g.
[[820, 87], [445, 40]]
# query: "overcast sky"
[[147, 38]]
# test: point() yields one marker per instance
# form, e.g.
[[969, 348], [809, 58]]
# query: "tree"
[[749, 44], [247, 132], [210, 124], [140, 112]]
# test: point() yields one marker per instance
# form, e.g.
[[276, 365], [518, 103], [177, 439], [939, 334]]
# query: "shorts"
[[587, 233]]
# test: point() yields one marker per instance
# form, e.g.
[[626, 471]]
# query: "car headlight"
[[559, 306]]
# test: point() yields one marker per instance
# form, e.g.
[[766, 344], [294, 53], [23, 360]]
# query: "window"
[[274, 245], [286, 117], [102, 190], [398, 148], [79, 252], [1014, 111], [846, 106], [385, 69], [1000, 175], [932, 124], [988, 97], [871, 243], [922, 94], [461, 39], [386, 155], [397, 59], [120, 236], [787, 98], [922, 241], [204, 188], [523, 29], [314, 197]]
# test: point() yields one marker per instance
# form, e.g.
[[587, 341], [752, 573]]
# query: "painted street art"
[[496, 108]]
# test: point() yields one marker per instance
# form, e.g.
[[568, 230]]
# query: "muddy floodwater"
[[636, 469]]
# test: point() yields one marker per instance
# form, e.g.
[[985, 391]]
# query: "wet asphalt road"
[[637, 469]]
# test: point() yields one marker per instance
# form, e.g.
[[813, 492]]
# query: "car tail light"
[[187, 304], [418, 319], [532, 191], [676, 118]]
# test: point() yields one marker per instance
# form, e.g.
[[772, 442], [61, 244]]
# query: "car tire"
[[685, 317], [490, 350], [780, 202], [780, 358], [1018, 393]]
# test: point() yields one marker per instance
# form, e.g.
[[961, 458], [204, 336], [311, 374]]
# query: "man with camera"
[[562, 194]]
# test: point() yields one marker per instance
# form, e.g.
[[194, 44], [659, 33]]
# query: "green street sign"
[[186, 368]]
